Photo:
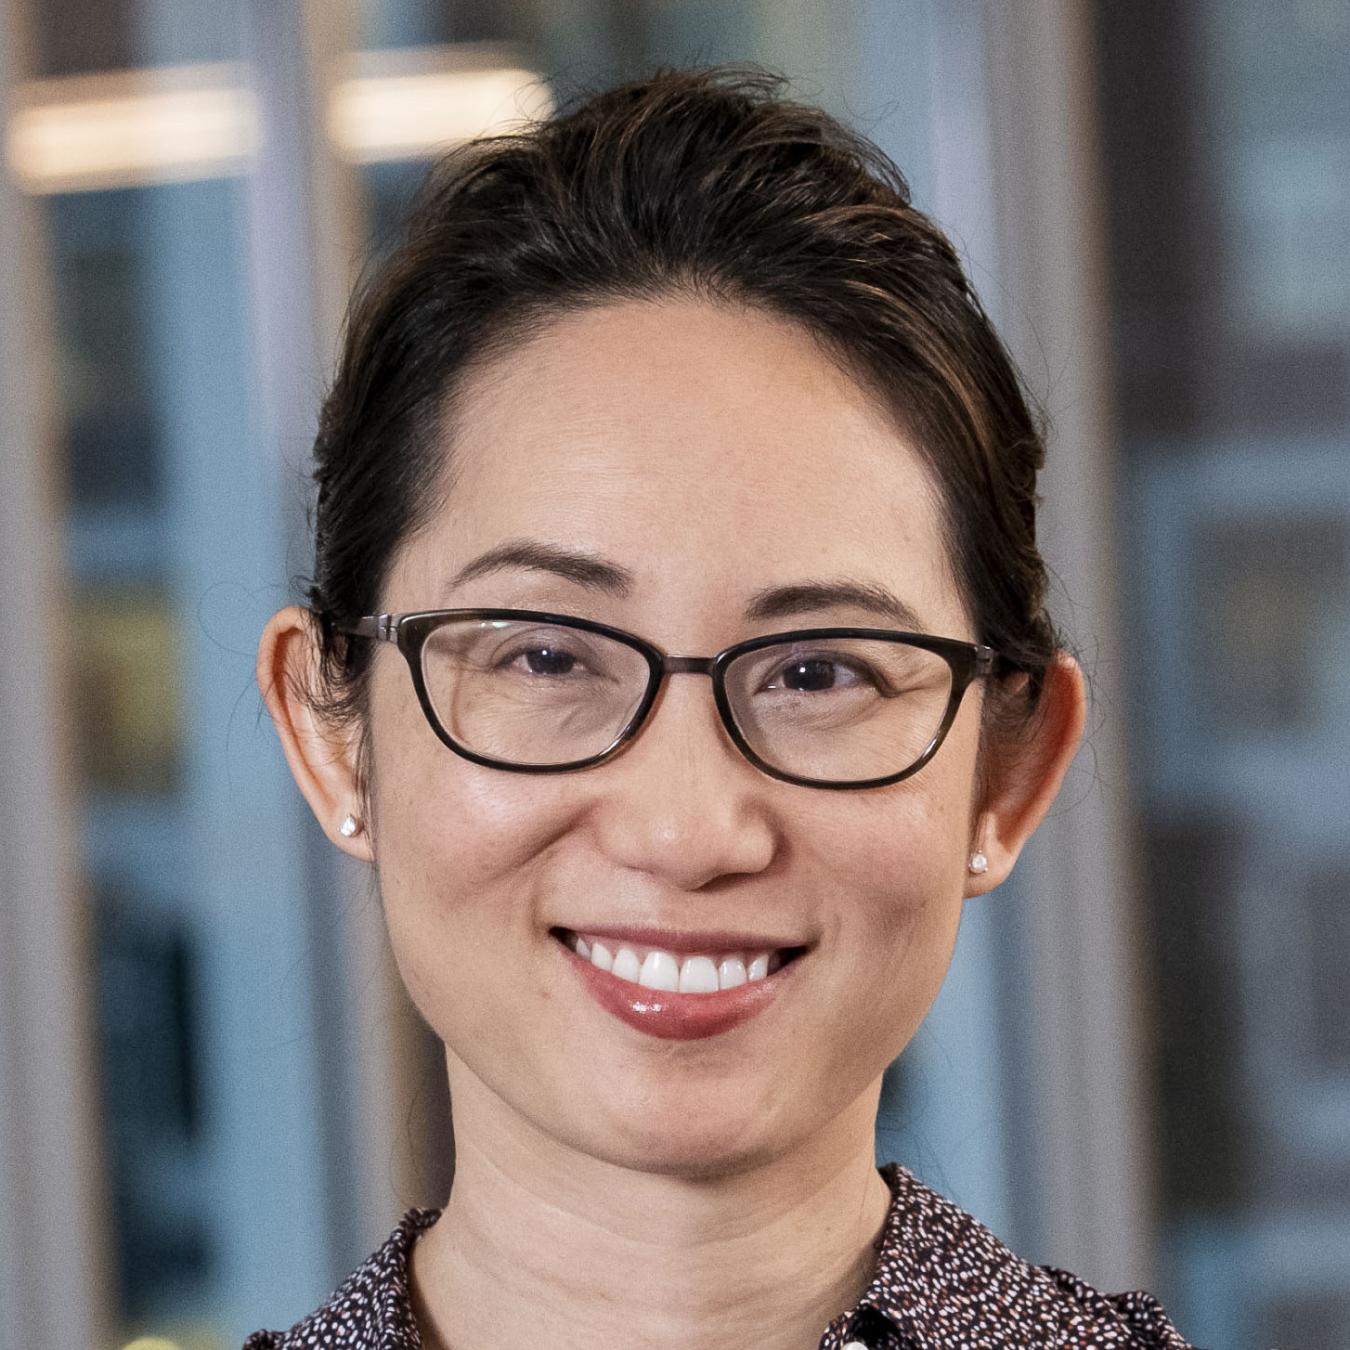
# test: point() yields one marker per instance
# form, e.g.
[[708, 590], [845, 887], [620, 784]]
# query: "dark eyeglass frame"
[[409, 632]]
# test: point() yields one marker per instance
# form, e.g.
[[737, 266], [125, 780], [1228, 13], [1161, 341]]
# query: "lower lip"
[[678, 1017]]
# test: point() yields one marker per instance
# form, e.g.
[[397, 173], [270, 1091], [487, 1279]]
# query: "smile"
[[695, 973], [674, 994]]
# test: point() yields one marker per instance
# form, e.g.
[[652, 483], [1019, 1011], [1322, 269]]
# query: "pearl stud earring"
[[978, 863], [350, 826]]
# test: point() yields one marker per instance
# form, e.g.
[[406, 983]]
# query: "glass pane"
[[206, 1035], [1228, 143], [529, 693], [420, 23], [74, 37], [842, 709], [127, 711]]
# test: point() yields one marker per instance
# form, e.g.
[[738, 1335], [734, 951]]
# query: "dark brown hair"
[[702, 182]]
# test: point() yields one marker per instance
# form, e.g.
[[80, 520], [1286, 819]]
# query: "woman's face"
[[712, 453]]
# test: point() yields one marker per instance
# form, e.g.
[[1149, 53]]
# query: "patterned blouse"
[[942, 1281]]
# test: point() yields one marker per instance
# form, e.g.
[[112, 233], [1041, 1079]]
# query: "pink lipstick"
[[673, 1016]]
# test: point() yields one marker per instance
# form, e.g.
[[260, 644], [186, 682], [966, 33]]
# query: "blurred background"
[[213, 1098]]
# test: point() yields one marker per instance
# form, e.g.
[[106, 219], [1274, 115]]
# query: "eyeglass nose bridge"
[[663, 665], [688, 665]]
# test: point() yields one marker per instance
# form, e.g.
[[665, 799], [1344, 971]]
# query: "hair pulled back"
[[700, 182]]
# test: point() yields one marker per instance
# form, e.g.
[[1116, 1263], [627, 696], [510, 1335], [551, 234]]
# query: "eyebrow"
[[611, 578], [805, 597], [597, 574]]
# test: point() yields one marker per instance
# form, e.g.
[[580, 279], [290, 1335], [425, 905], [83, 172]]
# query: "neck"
[[541, 1244]]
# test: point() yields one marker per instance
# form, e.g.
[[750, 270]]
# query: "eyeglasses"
[[532, 692]]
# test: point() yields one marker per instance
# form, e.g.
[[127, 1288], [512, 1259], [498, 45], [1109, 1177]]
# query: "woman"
[[676, 374]]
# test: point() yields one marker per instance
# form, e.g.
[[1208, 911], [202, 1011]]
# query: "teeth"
[[662, 970], [698, 975], [626, 965], [731, 972]]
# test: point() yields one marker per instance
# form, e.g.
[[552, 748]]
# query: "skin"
[[627, 1190]]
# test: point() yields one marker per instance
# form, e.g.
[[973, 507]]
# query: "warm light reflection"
[[175, 123], [404, 105], [126, 128]]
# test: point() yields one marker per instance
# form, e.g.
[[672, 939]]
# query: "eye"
[[814, 674], [542, 660], [550, 656]]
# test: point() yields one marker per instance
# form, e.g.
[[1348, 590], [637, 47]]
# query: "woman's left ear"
[[1022, 781]]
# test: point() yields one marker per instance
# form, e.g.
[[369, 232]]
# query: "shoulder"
[[371, 1309], [942, 1278]]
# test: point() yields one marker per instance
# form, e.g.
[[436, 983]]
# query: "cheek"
[[458, 849], [461, 865], [438, 820], [902, 888], [453, 849]]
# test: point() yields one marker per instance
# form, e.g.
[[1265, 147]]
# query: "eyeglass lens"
[[537, 694]]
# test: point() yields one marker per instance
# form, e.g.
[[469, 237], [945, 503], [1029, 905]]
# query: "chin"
[[695, 1156], [693, 1140]]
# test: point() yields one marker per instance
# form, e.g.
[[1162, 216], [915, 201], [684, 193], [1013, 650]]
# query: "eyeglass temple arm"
[[381, 626]]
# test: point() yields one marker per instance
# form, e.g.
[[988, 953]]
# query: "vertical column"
[[54, 1275], [1086, 1034], [305, 233]]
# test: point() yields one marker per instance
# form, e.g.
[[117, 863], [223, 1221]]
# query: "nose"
[[681, 803]]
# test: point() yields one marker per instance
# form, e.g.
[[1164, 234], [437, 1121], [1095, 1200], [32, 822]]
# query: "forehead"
[[705, 447]]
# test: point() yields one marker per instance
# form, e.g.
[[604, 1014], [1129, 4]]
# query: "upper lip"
[[687, 942]]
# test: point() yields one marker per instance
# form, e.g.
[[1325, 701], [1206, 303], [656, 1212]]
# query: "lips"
[[679, 986]]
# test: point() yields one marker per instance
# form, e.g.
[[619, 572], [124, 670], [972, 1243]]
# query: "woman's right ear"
[[322, 753]]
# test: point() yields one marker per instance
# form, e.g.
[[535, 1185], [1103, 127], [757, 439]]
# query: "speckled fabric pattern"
[[371, 1310], [943, 1282]]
